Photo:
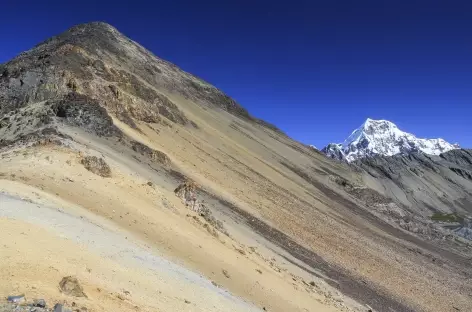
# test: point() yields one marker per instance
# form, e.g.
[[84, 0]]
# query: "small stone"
[[40, 303], [69, 285], [259, 271], [119, 296], [16, 299], [226, 274], [187, 302], [149, 183], [59, 308]]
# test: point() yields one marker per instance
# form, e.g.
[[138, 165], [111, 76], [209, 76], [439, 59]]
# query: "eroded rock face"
[[82, 111]]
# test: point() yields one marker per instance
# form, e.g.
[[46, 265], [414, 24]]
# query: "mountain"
[[423, 186], [157, 191], [382, 137]]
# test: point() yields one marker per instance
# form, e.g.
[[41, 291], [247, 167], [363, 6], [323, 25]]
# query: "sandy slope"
[[122, 230], [102, 258]]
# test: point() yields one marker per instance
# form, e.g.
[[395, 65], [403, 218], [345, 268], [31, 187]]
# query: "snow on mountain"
[[382, 137]]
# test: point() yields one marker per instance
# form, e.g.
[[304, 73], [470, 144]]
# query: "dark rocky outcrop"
[[152, 154], [96, 165], [84, 112]]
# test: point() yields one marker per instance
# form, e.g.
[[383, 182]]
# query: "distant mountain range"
[[382, 137]]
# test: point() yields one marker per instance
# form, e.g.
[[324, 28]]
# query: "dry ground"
[[240, 165], [56, 230]]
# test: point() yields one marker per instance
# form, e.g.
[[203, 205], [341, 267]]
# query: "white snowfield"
[[382, 137]]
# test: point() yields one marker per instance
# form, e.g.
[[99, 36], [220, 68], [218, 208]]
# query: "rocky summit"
[[382, 137], [136, 186]]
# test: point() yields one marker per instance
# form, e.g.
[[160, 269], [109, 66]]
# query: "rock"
[[60, 308], [241, 251], [259, 271], [211, 230], [154, 155], [96, 165], [187, 192], [149, 183], [16, 299], [226, 274], [119, 296], [40, 303], [69, 285], [187, 302]]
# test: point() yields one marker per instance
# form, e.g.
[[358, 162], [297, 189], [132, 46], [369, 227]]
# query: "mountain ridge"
[[384, 138], [96, 37]]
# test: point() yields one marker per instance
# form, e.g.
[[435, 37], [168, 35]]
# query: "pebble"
[[16, 299], [60, 308], [40, 303]]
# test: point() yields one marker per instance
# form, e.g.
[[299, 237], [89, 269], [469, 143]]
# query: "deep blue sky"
[[316, 69]]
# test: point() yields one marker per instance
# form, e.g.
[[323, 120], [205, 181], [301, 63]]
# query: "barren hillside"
[[97, 133]]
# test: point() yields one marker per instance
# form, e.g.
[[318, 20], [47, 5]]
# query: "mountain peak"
[[380, 123], [93, 25], [383, 137]]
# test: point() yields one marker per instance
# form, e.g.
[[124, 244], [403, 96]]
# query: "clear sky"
[[316, 69]]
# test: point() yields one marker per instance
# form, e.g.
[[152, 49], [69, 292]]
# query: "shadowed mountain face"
[[425, 187], [430, 183], [391, 232]]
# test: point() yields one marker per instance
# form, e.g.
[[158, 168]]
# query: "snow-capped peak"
[[382, 137]]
